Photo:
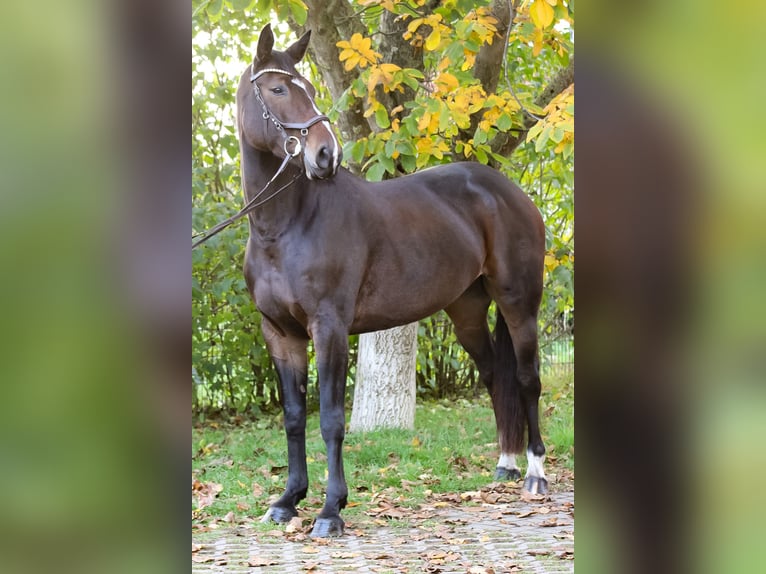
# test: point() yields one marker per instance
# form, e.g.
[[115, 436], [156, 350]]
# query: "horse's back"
[[433, 233]]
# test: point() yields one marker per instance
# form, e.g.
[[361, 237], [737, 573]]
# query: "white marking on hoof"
[[266, 517], [507, 461], [535, 465]]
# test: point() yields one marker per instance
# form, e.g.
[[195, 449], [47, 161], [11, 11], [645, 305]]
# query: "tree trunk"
[[384, 396]]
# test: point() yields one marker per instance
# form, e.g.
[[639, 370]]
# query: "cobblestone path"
[[519, 536]]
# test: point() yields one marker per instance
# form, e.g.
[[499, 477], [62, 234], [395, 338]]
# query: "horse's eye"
[[279, 90]]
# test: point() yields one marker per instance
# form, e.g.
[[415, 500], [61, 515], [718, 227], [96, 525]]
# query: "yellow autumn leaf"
[[433, 40], [537, 38], [357, 52], [414, 25], [424, 145], [372, 109], [446, 82], [429, 123], [550, 262], [351, 59], [541, 13], [470, 60]]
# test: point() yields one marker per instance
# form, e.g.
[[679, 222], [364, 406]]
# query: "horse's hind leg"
[[522, 328], [291, 362], [469, 315]]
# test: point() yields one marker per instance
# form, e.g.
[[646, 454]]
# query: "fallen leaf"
[[256, 561], [295, 524], [529, 497], [538, 552], [344, 555]]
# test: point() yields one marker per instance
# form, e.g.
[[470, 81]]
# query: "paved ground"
[[499, 534]]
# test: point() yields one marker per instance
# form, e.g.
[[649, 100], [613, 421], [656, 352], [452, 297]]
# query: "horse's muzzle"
[[324, 164]]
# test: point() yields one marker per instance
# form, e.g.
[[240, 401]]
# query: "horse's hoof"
[[327, 527], [536, 485], [507, 474], [279, 514]]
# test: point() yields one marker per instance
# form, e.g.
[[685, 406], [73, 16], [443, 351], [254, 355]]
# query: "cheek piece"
[[289, 141]]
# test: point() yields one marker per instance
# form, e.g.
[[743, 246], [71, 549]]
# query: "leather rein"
[[299, 145]]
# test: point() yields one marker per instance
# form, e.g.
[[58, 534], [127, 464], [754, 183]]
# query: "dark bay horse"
[[332, 255]]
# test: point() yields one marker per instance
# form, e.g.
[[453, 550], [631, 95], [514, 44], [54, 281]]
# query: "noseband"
[[282, 125]]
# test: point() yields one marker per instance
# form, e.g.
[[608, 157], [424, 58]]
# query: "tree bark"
[[488, 65], [384, 396]]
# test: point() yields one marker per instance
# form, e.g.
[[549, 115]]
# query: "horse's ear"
[[265, 44], [298, 50]]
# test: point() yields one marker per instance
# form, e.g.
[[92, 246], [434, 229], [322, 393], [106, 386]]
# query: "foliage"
[[445, 115]]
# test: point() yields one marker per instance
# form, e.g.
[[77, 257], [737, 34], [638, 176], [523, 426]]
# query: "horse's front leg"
[[331, 345], [291, 362]]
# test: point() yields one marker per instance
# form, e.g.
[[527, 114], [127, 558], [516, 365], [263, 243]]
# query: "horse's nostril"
[[323, 157]]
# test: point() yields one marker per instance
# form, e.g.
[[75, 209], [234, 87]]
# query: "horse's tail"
[[506, 392]]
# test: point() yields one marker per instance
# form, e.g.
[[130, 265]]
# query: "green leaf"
[[504, 123], [376, 171], [381, 118], [409, 163], [357, 151], [390, 147], [543, 138], [214, 8], [405, 147], [240, 5], [388, 163], [299, 10]]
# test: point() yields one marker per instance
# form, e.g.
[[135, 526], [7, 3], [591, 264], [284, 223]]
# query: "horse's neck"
[[271, 219]]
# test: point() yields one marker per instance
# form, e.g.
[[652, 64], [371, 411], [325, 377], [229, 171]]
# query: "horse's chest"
[[275, 290]]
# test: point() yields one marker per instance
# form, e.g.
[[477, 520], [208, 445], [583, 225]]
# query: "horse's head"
[[277, 112]]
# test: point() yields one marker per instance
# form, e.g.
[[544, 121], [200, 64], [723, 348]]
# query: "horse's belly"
[[407, 297]]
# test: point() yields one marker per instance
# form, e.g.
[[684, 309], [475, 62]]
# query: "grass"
[[452, 449]]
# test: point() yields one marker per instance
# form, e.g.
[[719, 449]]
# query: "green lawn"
[[452, 449]]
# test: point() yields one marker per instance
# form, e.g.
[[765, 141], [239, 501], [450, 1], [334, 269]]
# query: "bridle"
[[288, 141], [282, 125]]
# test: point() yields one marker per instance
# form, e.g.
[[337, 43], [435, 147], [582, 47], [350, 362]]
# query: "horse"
[[330, 254]]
